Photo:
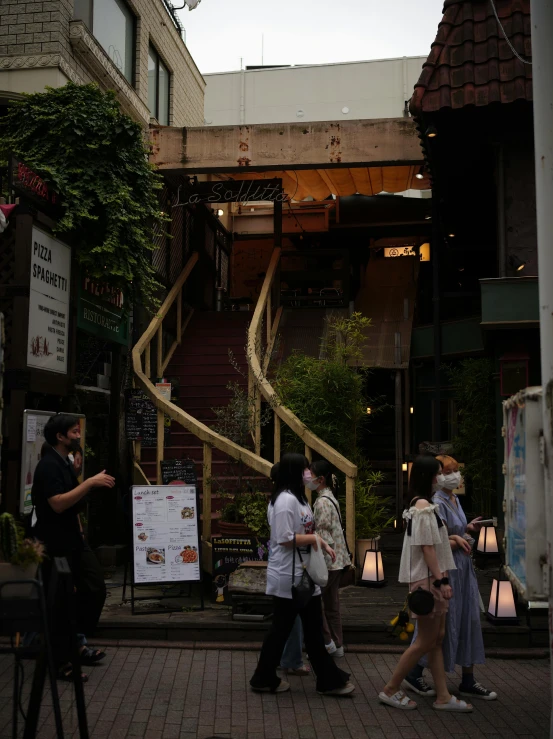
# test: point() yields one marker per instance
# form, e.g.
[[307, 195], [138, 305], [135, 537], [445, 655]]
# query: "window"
[[159, 79], [112, 24]]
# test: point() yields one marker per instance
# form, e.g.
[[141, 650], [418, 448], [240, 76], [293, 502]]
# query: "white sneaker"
[[339, 652], [331, 648]]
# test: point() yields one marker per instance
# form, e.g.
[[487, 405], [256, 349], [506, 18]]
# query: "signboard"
[[408, 251], [241, 191], [228, 554], [48, 331], [31, 446], [178, 472], [516, 464], [100, 312], [166, 541], [140, 418], [23, 181]]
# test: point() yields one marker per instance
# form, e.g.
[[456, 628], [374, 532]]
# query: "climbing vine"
[[95, 157]]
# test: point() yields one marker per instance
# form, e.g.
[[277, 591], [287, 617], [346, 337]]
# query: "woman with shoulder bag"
[[294, 593], [425, 561], [328, 524]]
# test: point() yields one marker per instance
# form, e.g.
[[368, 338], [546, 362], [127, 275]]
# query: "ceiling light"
[[427, 218], [516, 263], [220, 212], [345, 110], [431, 132], [420, 174], [451, 235]]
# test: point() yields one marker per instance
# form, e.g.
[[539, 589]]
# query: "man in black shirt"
[[58, 499]]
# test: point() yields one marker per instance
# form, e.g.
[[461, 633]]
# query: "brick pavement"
[[195, 694]]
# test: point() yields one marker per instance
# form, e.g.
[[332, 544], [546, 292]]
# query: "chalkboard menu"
[[182, 471], [140, 418]]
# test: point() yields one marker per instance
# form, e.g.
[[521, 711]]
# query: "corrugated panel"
[[471, 63], [387, 297]]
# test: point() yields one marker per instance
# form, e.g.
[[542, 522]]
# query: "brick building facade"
[[124, 45]]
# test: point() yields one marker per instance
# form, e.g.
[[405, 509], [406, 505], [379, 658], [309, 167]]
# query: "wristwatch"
[[437, 584]]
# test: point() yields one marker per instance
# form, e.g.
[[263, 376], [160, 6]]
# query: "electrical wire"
[[515, 52]]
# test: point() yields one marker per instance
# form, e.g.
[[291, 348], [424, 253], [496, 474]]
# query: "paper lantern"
[[487, 541], [373, 571], [501, 609]]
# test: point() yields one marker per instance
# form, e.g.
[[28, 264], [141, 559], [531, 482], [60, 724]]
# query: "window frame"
[[156, 56]]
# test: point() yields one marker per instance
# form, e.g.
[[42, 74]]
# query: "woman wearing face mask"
[[328, 523], [463, 644], [292, 525]]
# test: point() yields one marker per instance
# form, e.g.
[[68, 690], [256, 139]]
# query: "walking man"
[[58, 498]]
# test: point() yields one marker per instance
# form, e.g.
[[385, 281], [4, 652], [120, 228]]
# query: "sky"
[[221, 32]]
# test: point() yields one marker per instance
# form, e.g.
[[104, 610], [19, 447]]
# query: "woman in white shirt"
[[292, 524], [425, 561]]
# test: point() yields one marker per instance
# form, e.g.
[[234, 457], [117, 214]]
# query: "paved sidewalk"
[[195, 694]]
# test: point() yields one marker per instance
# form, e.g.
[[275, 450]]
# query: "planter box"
[[14, 572], [233, 529]]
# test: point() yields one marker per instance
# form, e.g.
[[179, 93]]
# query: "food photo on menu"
[[155, 556], [188, 556]]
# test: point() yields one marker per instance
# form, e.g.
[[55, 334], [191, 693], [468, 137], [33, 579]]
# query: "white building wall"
[[322, 92]]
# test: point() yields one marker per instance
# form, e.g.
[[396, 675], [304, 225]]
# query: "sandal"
[[65, 673], [298, 672], [453, 705], [398, 700], [90, 657]]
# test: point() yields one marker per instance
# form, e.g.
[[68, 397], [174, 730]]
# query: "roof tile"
[[471, 63]]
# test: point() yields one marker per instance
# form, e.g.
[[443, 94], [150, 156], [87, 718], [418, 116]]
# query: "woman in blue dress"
[[463, 643]]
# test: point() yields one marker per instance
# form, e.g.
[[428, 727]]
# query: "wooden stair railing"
[[267, 316], [210, 439]]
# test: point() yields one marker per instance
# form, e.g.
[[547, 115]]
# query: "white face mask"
[[313, 484], [436, 485], [449, 482]]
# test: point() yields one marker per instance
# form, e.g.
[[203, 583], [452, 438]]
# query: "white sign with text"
[[48, 334]]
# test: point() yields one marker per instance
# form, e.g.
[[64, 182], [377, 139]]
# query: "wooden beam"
[[206, 487]]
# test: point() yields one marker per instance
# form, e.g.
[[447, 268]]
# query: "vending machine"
[[524, 499]]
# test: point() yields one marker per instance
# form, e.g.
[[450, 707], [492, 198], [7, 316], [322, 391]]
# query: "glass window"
[[113, 27], [159, 80]]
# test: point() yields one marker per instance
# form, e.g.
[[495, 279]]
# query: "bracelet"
[[437, 584], [445, 580]]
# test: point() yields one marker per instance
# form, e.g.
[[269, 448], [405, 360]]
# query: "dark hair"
[[44, 449], [289, 476], [423, 471], [274, 472], [322, 468], [58, 424]]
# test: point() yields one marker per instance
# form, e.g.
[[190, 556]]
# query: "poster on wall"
[[31, 445], [166, 540], [48, 330]]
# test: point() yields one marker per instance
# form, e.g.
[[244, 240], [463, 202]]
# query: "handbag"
[[420, 601], [347, 575], [303, 590], [316, 567]]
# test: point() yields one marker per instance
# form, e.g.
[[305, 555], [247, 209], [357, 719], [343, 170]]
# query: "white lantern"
[[373, 571], [487, 541], [501, 609]]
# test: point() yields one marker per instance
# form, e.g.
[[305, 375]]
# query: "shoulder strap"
[[294, 560], [341, 524]]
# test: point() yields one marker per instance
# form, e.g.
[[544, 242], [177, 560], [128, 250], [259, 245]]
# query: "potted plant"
[[20, 556], [245, 515], [372, 514]]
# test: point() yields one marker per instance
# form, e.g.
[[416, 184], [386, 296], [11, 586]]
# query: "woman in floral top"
[[328, 524]]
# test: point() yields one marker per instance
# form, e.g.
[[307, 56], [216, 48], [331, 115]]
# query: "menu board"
[[140, 418], [228, 554], [178, 471], [166, 538]]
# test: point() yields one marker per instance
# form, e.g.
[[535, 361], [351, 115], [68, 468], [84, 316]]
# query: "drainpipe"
[[542, 72], [500, 190], [242, 94]]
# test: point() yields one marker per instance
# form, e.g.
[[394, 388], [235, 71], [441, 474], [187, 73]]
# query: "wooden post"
[[269, 319], [148, 361], [179, 317], [159, 357], [137, 451], [350, 513], [276, 455], [309, 456], [257, 421], [206, 507], [160, 443]]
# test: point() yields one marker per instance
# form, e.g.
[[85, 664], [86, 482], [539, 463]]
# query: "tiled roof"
[[471, 63]]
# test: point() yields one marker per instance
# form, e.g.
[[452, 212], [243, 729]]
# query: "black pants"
[[329, 676]]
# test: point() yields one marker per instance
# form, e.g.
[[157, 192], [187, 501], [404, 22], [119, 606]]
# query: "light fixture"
[[345, 110], [431, 132], [427, 218], [487, 541], [501, 609], [404, 467], [451, 236], [372, 575], [369, 411], [411, 410], [420, 174], [219, 212], [516, 263]]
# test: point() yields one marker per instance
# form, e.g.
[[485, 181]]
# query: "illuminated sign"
[[408, 251]]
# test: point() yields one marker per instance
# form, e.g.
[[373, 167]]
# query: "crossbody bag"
[[303, 589], [347, 574]]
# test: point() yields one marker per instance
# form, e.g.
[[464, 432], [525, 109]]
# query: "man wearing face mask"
[[463, 644], [57, 499]]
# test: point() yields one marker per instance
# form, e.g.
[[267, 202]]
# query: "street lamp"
[[373, 571]]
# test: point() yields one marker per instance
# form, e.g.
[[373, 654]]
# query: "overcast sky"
[[220, 32]]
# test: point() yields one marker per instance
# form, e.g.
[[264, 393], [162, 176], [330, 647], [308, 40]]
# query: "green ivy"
[[95, 157]]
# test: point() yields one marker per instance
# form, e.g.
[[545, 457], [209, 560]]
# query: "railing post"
[[160, 443], [257, 421], [269, 319], [179, 316], [350, 513], [276, 456], [309, 456], [148, 361], [160, 352], [206, 507]]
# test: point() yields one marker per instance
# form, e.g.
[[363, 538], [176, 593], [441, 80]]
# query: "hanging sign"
[[48, 330], [100, 312], [140, 418], [166, 540], [408, 251], [23, 181]]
